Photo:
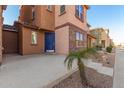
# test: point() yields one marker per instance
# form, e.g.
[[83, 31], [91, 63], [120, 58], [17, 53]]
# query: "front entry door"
[[49, 42]]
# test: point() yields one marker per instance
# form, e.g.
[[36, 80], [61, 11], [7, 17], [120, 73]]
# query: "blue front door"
[[49, 42]]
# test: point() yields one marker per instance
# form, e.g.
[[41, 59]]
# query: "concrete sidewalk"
[[119, 69], [99, 67]]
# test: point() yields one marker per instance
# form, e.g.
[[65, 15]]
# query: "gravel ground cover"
[[95, 80], [107, 59]]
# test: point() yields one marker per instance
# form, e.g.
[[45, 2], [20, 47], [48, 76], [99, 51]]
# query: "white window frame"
[[33, 37]]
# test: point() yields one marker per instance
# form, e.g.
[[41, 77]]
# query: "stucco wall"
[[62, 40], [10, 41], [27, 47], [25, 13], [1, 34], [72, 39], [69, 16], [104, 36], [93, 42], [44, 18], [60, 19]]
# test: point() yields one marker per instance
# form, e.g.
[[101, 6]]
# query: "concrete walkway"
[[34, 71], [31, 71], [99, 68], [119, 69]]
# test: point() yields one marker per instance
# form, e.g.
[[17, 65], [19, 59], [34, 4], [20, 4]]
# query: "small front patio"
[[31, 71]]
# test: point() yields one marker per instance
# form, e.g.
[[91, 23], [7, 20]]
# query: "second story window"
[[62, 9], [33, 13], [49, 7], [79, 11]]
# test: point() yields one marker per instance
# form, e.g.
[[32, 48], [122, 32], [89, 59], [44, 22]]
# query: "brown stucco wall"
[[25, 13], [26, 46], [72, 38], [44, 19], [62, 40], [66, 39], [0, 34], [69, 16], [74, 25], [10, 42]]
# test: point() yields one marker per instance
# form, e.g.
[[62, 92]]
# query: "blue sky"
[[11, 14], [111, 17]]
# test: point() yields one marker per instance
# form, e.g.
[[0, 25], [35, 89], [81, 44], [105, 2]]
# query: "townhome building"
[[36, 29], [1, 24], [52, 28], [102, 36], [70, 28]]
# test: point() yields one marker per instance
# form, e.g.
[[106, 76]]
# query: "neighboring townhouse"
[[102, 36], [49, 28], [2, 7], [111, 42]]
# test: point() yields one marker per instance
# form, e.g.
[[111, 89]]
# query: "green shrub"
[[98, 47], [109, 49]]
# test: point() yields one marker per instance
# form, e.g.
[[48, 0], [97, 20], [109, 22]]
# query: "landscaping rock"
[[95, 80]]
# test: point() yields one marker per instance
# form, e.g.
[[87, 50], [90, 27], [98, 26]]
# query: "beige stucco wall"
[[104, 36], [93, 42], [62, 40], [69, 16]]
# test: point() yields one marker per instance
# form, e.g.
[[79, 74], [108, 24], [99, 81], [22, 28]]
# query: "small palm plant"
[[79, 56]]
